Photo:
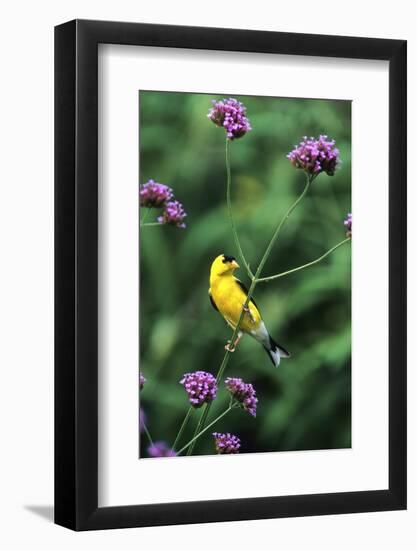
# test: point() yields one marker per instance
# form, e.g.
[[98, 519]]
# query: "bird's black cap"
[[228, 259]]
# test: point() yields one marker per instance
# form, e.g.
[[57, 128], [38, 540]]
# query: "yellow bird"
[[228, 295]]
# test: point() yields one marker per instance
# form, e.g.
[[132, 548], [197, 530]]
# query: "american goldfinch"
[[228, 295]]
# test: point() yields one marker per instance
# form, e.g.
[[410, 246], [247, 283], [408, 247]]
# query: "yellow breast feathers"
[[228, 295]]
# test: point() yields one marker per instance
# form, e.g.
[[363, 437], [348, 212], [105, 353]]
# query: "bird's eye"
[[228, 259]]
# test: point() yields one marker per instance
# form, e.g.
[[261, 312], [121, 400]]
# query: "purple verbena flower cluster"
[[200, 386], [348, 224], [158, 195], [160, 449], [315, 155], [231, 115], [226, 444], [243, 393], [154, 195], [142, 381], [173, 214]]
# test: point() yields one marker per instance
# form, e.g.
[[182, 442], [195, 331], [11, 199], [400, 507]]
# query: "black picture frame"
[[76, 271]]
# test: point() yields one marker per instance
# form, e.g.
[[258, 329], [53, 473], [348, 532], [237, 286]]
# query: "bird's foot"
[[247, 310], [229, 348]]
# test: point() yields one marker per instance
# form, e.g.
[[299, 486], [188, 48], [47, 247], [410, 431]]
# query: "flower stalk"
[[143, 218], [300, 267], [181, 430], [200, 433], [148, 435], [229, 209]]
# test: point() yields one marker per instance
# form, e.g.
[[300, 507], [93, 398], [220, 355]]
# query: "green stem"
[[184, 423], [254, 281], [150, 224], [200, 426], [299, 268], [148, 435], [229, 208], [146, 214], [280, 226], [192, 441]]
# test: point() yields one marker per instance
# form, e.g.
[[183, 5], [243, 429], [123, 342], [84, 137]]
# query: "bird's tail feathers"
[[275, 352]]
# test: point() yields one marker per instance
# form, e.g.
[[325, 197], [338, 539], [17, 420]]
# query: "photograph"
[[245, 274], [196, 349]]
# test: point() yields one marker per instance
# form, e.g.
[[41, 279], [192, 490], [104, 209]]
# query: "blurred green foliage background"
[[306, 402]]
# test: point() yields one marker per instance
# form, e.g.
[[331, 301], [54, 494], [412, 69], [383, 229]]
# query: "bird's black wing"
[[246, 290], [213, 303]]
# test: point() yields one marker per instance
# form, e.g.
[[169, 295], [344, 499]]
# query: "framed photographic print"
[[227, 346]]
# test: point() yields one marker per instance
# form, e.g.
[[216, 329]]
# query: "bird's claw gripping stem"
[[247, 310], [228, 347]]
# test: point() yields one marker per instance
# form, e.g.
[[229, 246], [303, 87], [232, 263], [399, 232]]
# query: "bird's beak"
[[235, 265]]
